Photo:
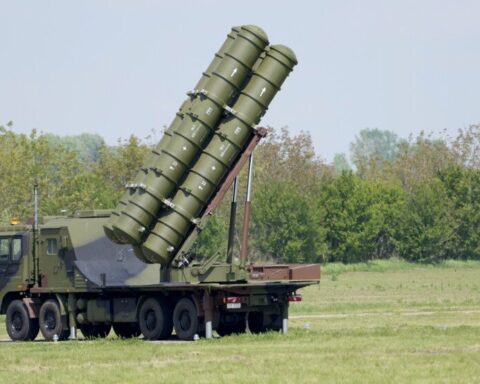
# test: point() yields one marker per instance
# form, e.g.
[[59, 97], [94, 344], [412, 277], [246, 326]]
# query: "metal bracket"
[[207, 264]]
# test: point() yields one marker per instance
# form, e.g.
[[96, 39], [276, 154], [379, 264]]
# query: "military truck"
[[134, 269]]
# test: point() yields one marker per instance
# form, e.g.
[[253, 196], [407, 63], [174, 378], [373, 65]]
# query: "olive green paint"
[[163, 143], [191, 136], [193, 194]]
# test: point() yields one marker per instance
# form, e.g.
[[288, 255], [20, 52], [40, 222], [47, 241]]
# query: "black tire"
[[126, 330], [155, 319], [51, 321], [19, 325], [95, 331], [185, 319]]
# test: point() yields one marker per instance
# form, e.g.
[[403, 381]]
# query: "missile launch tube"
[[163, 143], [191, 136], [218, 157]]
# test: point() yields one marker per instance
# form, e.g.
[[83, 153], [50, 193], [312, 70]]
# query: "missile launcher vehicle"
[[133, 269]]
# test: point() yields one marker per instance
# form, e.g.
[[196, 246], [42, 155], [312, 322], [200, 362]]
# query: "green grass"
[[393, 264], [382, 322]]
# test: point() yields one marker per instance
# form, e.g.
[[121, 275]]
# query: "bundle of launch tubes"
[[200, 146]]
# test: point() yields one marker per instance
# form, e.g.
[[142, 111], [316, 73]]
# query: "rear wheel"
[[95, 331], [19, 325], [51, 321], [155, 319], [126, 330], [185, 319]]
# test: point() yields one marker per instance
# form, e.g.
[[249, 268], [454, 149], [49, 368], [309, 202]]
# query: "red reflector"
[[295, 298], [232, 300]]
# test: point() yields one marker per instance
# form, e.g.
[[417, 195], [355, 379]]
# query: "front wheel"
[[51, 321], [19, 325]]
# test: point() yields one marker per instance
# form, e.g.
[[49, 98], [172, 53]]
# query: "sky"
[[119, 67]]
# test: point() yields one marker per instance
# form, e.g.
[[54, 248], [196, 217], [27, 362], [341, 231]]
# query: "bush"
[[360, 219]]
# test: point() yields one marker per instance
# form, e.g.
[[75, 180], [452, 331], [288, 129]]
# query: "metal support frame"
[[285, 318], [208, 310], [231, 228], [246, 214], [72, 316], [260, 133]]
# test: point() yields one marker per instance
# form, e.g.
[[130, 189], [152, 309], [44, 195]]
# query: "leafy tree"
[[283, 157], [340, 163], [427, 231], [86, 145], [360, 218], [466, 147], [286, 178], [27, 160], [64, 180], [372, 149], [419, 159], [118, 166], [462, 188], [284, 224]]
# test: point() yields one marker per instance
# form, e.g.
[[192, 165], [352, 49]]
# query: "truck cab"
[[15, 261]]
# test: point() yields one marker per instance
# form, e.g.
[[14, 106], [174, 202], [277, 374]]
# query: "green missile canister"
[[141, 174], [175, 222], [163, 143], [191, 136]]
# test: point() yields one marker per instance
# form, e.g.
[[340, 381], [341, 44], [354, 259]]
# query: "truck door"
[[52, 266], [11, 251]]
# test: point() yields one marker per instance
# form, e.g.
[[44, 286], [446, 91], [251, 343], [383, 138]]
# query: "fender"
[[62, 303]]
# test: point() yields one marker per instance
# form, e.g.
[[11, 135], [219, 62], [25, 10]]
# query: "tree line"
[[416, 198]]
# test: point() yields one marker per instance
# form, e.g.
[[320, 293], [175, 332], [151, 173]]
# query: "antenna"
[[36, 266], [35, 206]]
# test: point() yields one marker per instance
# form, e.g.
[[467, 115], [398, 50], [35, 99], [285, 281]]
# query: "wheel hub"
[[17, 322], [185, 320], [150, 320], [50, 321]]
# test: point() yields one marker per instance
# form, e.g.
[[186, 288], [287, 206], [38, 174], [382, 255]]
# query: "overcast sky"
[[122, 67]]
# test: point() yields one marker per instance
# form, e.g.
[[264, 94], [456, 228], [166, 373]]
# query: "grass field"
[[382, 322]]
